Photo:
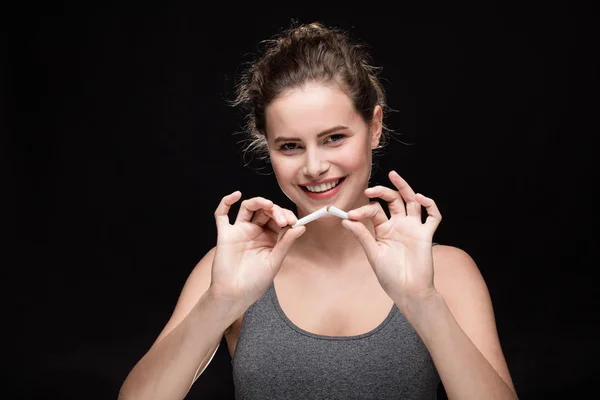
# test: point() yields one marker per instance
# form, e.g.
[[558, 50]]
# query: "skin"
[[398, 250], [345, 152], [378, 261]]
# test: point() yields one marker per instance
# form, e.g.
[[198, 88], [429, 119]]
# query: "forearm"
[[464, 371], [167, 370]]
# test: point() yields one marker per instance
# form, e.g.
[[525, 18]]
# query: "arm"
[[457, 325], [439, 290], [186, 344]]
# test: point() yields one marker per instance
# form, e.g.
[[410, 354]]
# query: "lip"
[[324, 195]]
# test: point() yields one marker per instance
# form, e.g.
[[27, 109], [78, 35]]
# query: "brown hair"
[[302, 54]]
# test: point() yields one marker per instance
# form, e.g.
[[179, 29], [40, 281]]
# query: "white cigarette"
[[311, 217], [337, 212]]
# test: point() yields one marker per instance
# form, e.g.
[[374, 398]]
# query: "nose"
[[315, 164]]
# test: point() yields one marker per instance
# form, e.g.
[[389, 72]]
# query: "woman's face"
[[320, 147]]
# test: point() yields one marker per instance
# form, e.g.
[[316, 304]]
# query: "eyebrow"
[[323, 133]]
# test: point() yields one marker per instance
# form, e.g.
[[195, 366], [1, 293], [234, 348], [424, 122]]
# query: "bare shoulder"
[[453, 266], [458, 279]]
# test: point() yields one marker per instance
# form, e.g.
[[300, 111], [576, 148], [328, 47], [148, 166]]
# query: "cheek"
[[284, 168], [354, 157], [285, 172]]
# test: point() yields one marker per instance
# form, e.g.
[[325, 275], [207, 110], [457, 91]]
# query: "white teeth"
[[323, 187]]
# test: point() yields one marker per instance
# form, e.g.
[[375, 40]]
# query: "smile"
[[324, 190], [323, 187]]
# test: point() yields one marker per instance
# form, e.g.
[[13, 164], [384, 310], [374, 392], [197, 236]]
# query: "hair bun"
[[303, 53], [299, 33]]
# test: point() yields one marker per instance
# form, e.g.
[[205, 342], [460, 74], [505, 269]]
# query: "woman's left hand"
[[400, 252]]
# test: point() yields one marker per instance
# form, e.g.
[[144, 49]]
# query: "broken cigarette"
[[311, 217], [337, 212], [320, 213]]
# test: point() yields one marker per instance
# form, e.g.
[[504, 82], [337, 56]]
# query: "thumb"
[[364, 237], [283, 245]]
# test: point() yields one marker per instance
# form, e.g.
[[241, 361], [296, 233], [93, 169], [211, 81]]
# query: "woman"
[[364, 307]]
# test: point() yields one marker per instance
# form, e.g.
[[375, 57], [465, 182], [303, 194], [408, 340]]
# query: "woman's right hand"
[[249, 252]]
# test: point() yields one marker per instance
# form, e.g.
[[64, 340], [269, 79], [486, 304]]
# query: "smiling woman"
[[350, 305], [330, 160]]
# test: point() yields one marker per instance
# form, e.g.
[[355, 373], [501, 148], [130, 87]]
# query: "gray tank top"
[[275, 359]]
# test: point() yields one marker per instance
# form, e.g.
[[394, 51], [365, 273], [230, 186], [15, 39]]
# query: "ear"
[[376, 126]]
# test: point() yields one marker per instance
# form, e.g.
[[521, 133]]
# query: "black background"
[[119, 145]]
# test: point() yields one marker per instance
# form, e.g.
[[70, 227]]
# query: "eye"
[[288, 146], [336, 137]]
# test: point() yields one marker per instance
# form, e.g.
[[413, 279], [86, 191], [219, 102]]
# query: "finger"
[[248, 207], [373, 211], [407, 194], [434, 217], [273, 226], [283, 245], [276, 214], [291, 221], [391, 196], [279, 215], [260, 218], [290, 217], [364, 237], [222, 211]]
